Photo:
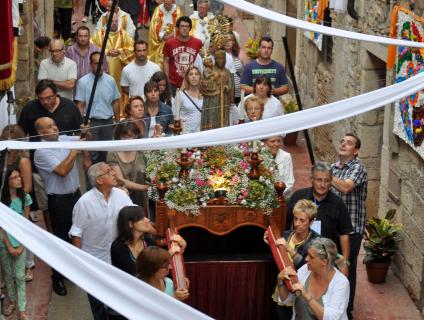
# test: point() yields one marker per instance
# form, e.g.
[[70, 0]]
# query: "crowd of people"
[[142, 87]]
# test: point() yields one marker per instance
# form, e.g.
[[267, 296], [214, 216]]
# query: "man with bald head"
[[60, 69], [58, 169], [125, 21]]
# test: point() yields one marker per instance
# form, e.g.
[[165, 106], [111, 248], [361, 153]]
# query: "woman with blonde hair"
[[191, 102], [297, 243], [323, 291], [254, 108]]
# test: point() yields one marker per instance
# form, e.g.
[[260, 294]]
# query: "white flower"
[[175, 179], [243, 202]]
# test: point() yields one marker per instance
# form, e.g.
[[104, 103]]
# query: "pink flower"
[[199, 182], [243, 165]]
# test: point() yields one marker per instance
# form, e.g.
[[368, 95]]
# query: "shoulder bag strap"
[[194, 104]]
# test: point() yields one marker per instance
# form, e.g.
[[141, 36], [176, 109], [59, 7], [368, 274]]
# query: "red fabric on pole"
[[6, 41]]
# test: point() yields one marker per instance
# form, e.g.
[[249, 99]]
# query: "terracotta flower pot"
[[377, 271]]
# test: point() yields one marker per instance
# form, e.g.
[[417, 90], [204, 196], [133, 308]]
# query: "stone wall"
[[396, 172], [25, 77], [402, 176], [24, 86], [353, 70]]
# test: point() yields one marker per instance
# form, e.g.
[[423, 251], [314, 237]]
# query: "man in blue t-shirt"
[[264, 65]]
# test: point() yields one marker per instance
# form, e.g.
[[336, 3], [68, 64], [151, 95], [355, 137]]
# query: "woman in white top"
[[191, 101], [283, 160], [262, 89], [324, 290]]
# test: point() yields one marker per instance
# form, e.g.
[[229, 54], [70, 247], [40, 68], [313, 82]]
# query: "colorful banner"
[[314, 13], [409, 111], [7, 47]]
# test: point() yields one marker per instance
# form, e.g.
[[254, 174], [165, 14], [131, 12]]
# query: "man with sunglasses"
[[60, 69]]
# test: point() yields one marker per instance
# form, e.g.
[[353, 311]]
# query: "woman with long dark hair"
[[11, 250], [134, 229], [165, 94]]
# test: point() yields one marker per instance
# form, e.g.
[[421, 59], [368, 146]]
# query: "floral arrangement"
[[252, 47], [223, 167]]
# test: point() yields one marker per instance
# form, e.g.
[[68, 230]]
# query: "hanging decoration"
[[8, 46], [409, 111], [314, 12]]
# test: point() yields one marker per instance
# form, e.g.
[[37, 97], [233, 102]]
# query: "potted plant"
[[289, 106], [381, 243]]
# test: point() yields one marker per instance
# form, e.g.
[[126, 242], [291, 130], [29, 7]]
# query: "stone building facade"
[[396, 172]]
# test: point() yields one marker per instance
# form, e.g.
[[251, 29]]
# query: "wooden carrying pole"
[[280, 255]]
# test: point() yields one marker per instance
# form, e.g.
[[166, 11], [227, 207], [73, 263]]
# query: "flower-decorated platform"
[[221, 200]]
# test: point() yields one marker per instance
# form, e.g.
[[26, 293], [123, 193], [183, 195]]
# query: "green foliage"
[[290, 107], [167, 171], [381, 238]]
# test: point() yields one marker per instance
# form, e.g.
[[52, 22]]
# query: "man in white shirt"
[[59, 172], [135, 75], [60, 69], [94, 225]]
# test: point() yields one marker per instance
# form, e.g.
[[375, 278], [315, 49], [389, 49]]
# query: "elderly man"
[[200, 20], [105, 104], [81, 50], [125, 21], [94, 226], [266, 66], [61, 70], [135, 75], [179, 53], [333, 220], [162, 28], [58, 169], [350, 181]]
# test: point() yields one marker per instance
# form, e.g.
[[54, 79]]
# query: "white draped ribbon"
[[292, 122], [297, 23], [122, 292]]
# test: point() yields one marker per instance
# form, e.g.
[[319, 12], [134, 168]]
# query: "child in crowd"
[[12, 252]]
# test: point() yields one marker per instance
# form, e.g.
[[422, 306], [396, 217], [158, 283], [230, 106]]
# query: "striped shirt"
[[355, 201], [237, 76]]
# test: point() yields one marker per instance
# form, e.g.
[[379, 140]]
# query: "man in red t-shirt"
[[179, 53]]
